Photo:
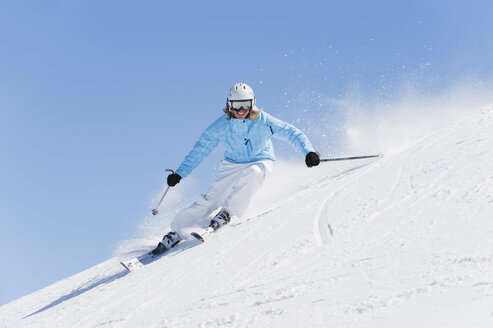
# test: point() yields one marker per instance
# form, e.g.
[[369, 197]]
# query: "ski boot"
[[170, 240], [221, 218]]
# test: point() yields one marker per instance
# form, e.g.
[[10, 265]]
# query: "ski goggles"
[[245, 104]]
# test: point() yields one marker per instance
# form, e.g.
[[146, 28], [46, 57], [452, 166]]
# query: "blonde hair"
[[252, 115]]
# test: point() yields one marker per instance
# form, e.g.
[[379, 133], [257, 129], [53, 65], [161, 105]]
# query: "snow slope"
[[403, 241]]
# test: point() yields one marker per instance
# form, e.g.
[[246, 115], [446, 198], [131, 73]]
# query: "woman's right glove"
[[173, 179], [312, 159]]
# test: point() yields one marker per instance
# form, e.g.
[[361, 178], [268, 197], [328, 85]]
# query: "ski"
[[139, 261], [200, 237], [148, 258]]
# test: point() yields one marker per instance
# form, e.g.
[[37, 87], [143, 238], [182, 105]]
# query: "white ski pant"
[[232, 190]]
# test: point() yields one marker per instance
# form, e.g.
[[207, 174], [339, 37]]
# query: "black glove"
[[173, 179], [312, 159]]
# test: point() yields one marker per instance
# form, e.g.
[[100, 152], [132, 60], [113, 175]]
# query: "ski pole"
[[155, 211], [347, 158]]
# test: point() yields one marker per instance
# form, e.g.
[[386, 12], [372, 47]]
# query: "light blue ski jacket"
[[245, 141]]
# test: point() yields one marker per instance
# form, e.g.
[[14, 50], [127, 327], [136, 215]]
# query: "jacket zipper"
[[248, 144]]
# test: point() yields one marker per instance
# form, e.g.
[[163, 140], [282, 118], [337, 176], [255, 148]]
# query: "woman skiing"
[[245, 133]]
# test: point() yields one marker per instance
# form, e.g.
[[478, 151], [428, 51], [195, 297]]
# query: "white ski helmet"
[[240, 95]]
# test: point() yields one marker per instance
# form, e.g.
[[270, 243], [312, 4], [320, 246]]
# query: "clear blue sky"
[[97, 98]]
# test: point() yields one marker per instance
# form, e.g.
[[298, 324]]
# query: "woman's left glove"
[[312, 159]]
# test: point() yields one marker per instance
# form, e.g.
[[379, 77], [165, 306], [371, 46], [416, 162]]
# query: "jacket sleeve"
[[287, 132], [206, 143]]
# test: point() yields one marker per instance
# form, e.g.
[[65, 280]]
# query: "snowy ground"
[[402, 241]]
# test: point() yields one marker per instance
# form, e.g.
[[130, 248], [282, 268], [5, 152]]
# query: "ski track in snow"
[[323, 229], [402, 241]]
